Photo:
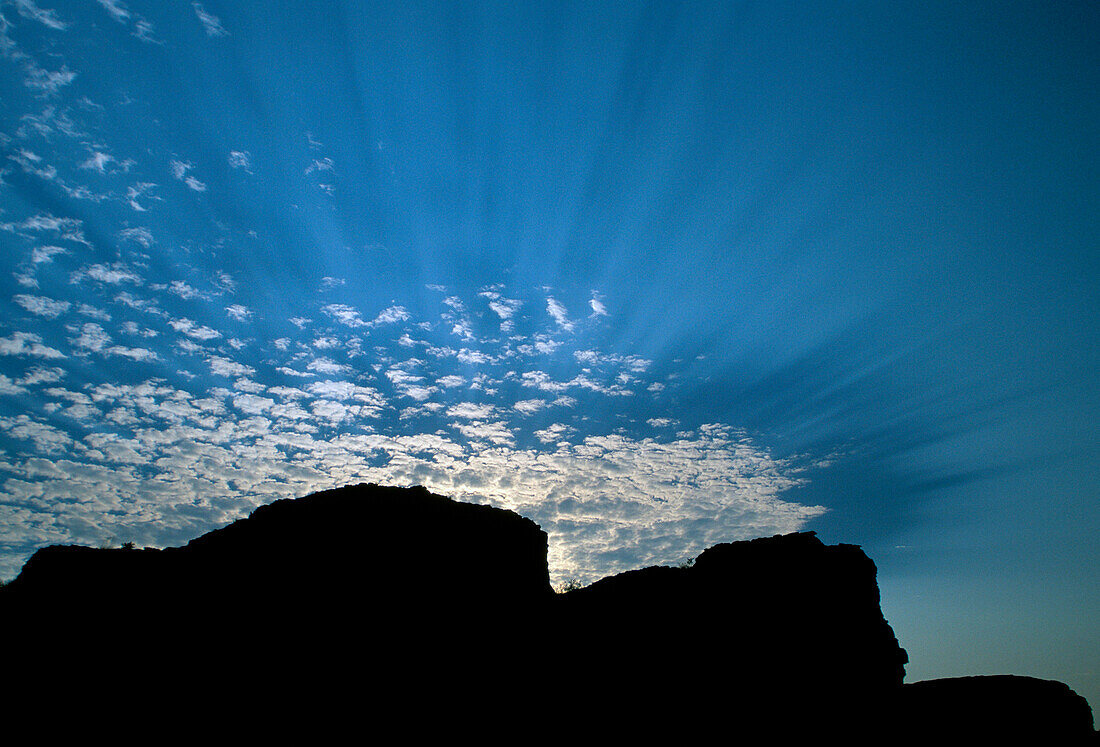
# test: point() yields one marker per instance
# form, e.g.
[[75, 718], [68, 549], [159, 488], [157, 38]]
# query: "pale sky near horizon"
[[656, 275]]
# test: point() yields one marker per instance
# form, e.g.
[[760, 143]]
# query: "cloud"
[[471, 411], [138, 235], [328, 367], [117, 10], [179, 171], [529, 406], [9, 387], [210, 23], [92, 338], [40, 306], [135, 192], [193, 330], [26, 343], [505, 308], [559, 314], [222, 366], [28, 9], [40, 375], [344, 314], [391, 315], [46, 438], [114, 274], [598, 309], [240, 159], [187, 292], [46, 82], [45, 254], [239, 312], [98, 161]]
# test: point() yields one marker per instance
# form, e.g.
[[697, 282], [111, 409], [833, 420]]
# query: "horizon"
[[655, 277]]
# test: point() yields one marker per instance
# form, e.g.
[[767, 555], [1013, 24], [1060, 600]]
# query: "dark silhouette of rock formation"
[[409, 607]]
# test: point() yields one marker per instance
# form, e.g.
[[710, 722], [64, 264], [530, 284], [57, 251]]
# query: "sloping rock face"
[[746, 629], [998, 709]]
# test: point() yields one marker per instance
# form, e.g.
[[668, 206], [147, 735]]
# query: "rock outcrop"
[[410, 608]]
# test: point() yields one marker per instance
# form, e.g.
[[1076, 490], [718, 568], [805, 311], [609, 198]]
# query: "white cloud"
[[321, 165], [598, 309], [554, 433], [390, 316], [179, 168], [221, 366], [471, 411], [44, 254], [136, 354], [40, 375], [88, 310], [344, 314], [193, 330], [187, 292], [287, 371], [558, 312], [92, 338], [98, 161], [328, 367], [28, 9], [252, 404], [240, 159], [529, 406], [136, 192], [495, 433], [7, 386], [138, 235], [114, 274], [117, 10], [45, 437], [345, 390], [473, 357], [505, 308], [26, 343], [44, 307], [239, 312], [210, 23]]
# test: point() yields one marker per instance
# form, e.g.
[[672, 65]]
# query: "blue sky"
[[655, 275]]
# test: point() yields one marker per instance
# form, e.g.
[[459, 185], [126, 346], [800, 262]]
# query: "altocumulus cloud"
[[530, 421]]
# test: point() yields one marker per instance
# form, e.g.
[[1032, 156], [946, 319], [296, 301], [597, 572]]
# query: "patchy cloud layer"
[[200, 429]]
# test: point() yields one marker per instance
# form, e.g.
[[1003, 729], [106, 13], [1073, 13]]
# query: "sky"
[[655, 275]]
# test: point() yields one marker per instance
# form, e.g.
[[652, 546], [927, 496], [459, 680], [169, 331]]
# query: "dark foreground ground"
[[403, 616]]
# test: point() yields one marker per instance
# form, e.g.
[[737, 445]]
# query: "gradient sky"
[[655, 275]]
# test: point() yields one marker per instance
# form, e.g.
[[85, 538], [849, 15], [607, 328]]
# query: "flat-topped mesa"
[[351, 548]]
